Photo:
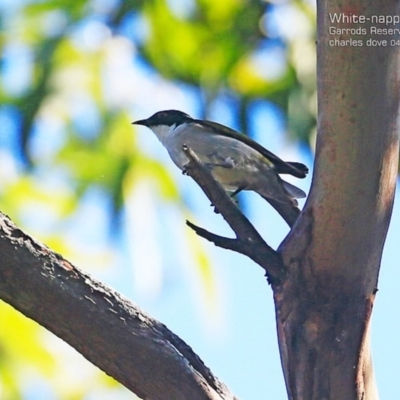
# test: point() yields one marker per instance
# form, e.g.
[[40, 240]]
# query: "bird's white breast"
[[163, 132], [173, 138]]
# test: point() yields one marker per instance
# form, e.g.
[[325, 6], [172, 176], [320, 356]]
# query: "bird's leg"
[[231, 195], [226, 163], [237, 191]]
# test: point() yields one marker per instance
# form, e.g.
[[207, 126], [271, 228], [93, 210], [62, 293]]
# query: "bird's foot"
[[215, 209]]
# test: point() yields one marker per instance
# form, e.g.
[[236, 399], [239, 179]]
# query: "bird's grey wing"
[[213, 149], [296, 169]]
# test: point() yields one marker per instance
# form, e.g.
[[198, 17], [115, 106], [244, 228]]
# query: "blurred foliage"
[[25, 358], [74, 74]]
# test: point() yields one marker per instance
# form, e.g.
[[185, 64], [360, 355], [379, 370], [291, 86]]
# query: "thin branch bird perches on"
[[248, 241]]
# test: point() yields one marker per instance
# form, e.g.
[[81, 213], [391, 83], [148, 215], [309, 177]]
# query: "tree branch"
[[248, 241], [109, 330]]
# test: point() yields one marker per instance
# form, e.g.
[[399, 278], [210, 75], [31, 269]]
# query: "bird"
[[235, 160]]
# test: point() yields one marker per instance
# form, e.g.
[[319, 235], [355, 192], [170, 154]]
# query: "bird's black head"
[[167, 117]]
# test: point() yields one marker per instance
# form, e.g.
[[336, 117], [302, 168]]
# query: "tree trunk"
[[333, 253]]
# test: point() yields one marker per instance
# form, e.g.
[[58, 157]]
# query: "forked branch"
[[248, 241]]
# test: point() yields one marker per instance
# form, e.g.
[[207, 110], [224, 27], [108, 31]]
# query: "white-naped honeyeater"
[[236, 161]]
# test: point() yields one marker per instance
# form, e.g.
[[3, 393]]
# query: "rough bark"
[[107, 329], [333, 255]]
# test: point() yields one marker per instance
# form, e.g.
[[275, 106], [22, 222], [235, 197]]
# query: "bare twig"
[[248, 241]]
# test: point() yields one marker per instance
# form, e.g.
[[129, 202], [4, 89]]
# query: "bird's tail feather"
[[293, 191]]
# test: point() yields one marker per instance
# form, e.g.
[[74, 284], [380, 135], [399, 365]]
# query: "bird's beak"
[[140, 122]]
